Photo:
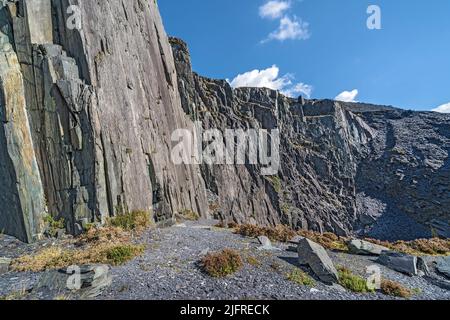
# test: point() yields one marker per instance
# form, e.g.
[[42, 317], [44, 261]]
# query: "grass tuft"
[[118, 255], [352, 282], [222, 264], [253, 261], [300, 277], [53, 225], [189, 215]]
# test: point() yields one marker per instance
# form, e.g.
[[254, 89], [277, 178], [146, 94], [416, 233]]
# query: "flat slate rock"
[[443, 266], [399, 262], [266, 244], [295, 240], [93, 279], [362, 247], [316, 257]]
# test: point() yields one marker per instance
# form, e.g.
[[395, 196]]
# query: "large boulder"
[[404, 263], [85, 282], [316, 257], [362, 247], [443, 266]]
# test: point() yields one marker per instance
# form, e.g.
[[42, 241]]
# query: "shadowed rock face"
[[345, 167], [101, 105], [406, 169]]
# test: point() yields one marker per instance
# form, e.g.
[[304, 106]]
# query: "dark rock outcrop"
[[405, 174], [443, 266]]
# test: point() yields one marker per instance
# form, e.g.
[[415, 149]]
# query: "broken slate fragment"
[[266, 244], [362, 247], [443, 266], [400, 262], [316, 257]]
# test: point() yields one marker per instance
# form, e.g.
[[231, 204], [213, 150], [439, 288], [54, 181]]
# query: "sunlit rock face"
[[345, 167], [94, 109]]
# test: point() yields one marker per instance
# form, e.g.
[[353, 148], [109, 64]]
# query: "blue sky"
[[322, 47]]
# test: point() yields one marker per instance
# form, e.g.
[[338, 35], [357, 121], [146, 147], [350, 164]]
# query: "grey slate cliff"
[[87, 116], [345, 167]]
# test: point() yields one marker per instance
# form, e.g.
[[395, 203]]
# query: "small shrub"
[[189, 215], [275, 266], [49, 258], [285, 208], [276, 183], [283, 233], [120, 254], [327, 240], [233, 225], [395, 289], [301, 278], [352, 282], [417, 291], [56, 257], [132, 221], [222, 264], [279, 233], [53, 225], [103, 235]]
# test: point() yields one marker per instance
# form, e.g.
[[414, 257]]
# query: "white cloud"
[[445, 108], [290, 29], [299, 89], [270, 78], [274, 9], [347, 96]]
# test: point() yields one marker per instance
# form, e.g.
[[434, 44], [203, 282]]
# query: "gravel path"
[[169, 270]]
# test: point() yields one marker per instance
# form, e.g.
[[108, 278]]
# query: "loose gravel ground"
[[169, 269]]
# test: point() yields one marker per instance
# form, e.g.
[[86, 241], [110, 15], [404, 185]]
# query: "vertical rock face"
[[99, 104], [21, 190], [344, 167], [320, 143]]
